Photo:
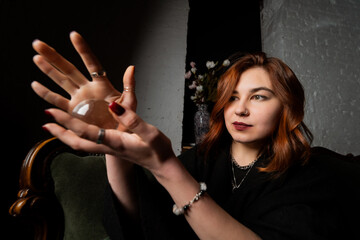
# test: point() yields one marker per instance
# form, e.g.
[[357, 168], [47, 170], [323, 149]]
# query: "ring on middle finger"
[[98, 74], [101, 136]]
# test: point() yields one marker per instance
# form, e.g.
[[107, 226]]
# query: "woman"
[[259, 177]]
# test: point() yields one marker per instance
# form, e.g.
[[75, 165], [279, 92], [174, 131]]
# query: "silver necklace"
[[243, 167], [248, 167]]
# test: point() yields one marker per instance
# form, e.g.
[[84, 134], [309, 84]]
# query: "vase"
[[201, 122]]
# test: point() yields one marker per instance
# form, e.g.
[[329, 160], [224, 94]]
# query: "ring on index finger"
[[98, 74]]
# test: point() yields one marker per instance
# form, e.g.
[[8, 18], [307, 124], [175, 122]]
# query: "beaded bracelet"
[[180, 211]]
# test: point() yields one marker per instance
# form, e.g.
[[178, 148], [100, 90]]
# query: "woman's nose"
[[242, 110]]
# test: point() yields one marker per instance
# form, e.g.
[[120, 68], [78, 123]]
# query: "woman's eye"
[[259, 97], [233, 98]]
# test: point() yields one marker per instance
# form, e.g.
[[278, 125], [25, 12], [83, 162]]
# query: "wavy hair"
[[290, 141]]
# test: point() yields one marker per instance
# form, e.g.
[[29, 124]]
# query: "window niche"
[[216, 30]]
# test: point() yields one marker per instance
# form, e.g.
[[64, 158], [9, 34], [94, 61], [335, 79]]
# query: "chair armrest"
[[37, 203]]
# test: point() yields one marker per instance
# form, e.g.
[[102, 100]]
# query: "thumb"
[[129, 77], [133, 122], [129, 98]]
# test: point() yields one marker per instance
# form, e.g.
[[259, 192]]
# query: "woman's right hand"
[[68, 77]]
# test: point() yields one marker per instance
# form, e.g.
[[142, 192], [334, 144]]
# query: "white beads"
[[180, 211]]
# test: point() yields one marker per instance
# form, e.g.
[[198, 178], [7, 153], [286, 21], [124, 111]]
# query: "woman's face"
[[253, 111]]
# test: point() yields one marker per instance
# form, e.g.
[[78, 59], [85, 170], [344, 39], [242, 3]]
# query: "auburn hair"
[[290, 141]]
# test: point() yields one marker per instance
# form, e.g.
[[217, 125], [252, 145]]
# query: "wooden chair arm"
[[36, 199]]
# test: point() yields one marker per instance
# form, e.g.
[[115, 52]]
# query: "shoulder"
[[327, 164], [327, 175], [324, 153], [326, 190], [331, 177], [332, 162]]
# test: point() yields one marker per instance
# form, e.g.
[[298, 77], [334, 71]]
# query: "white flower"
[[193, 85], [199, 88], [210, 64], [226, 63], [193, 70], [192, 64], [188, 75], [200, 76], [192, 98]]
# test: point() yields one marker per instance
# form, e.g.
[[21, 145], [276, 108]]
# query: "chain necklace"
[[243, 167], [248, 167]]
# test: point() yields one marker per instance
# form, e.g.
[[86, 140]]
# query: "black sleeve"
[[155, 207], [115, 221]]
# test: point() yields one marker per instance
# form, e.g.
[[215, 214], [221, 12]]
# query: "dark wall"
[[106, 26]]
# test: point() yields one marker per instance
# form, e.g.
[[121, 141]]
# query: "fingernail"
[[74, 32], [35, 41], [45, 129], [116, 108], [49, 115]]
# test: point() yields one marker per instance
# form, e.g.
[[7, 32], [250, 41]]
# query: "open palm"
[[68, 77]]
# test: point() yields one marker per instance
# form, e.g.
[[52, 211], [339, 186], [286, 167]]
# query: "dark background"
[[216, 29]]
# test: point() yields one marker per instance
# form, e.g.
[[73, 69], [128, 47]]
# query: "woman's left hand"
[[68, 77], [145, 145]]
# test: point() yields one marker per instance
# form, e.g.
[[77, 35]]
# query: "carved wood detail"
[[37, 203]]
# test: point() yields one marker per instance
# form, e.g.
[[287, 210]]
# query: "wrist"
[[168, 170], [116, 164], [178, 182], [173, 175]]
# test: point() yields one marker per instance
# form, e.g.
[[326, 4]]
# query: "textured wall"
[[320, 41], [159, 58]]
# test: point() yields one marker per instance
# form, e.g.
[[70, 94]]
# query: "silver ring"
[[101, 136], [98, 74], [129, 89]]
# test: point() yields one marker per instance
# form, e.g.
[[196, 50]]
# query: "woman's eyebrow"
[[262, 88], [254, 90]]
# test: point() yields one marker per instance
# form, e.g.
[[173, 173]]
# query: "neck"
[[244, 154]]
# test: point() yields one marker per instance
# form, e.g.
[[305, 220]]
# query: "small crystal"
[[95, 111]]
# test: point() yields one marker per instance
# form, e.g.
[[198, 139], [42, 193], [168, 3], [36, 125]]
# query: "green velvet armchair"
[[61, 192]]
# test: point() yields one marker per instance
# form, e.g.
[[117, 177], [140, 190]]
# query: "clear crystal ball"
[[95, 111]]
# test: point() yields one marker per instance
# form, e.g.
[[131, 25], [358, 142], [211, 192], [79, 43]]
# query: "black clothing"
[[319, 200]]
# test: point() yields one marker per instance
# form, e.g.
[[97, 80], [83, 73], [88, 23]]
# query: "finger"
[[54, 74], [74, 141], [59, 62], [113, 139], [128, 97], [134, 123], [49, 96], [149, 134], [79, 127], [91, 62]]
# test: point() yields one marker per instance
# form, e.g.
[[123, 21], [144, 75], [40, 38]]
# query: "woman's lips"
[[240, 126]]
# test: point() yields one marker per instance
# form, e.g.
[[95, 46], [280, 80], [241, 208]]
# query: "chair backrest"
[[61, 192]]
